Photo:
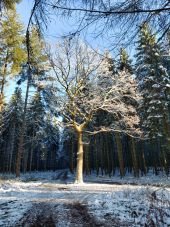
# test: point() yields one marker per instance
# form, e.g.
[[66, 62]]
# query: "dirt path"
[[64, 210], [52, 214]]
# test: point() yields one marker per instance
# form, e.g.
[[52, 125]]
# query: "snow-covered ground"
[[51, 199], [149, 179]]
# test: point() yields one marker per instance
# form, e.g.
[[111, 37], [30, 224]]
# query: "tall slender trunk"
[[25, 161], [71, 147], [86, 160], [79, 170], [3, 82], [12, 147], [96, 156], [164, 162], [31, 157], [155, 156], [38, 159], [20, 151], [134, 159], [22, 129], [101, 153], [120, 153], [144, 160], [32, 150]]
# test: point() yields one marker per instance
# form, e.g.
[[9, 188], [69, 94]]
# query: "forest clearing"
[[85, 113]]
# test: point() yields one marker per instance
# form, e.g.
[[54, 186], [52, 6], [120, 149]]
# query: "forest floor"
[[51, 199]]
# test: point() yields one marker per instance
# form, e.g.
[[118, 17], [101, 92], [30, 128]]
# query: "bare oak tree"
[[81, 97]]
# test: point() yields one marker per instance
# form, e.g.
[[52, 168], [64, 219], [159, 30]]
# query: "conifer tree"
[[12, 53], [128, 89], [35, 123], [125, 66], [154, 82], [8, 4], [11, 127], [106, 70], [124, 62], [32, 73]]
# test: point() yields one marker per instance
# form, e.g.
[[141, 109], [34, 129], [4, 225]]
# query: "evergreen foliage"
[[12, 53], [124, 63]]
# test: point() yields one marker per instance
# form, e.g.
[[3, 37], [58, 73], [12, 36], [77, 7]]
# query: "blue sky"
[[61, 26], [56, 29]]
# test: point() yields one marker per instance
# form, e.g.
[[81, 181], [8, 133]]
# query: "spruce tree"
[[153, 79], [124, 62], [8, 4], [12, 53], [35, 124], [31, 73], [12, 121], [128, 90], [106, 70], [153, 82]]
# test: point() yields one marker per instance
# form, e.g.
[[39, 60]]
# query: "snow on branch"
[[79, 74]]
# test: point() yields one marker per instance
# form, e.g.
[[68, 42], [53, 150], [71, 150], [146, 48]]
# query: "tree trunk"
[[134, 159], [12, 148], [23, 126], [3, 83], [86, 158], [79, 170], [20, 151], [31, 157], [144, 161], [71, 148], [120, 154]]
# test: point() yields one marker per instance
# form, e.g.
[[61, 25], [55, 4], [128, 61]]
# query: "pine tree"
[[35, 123], [154, 82], [50, 134], [153, 79], [12, 122], [32, 73], [128, 90], [8, 4], [131, 98], [12, 54], [124, 64], [106, 70]]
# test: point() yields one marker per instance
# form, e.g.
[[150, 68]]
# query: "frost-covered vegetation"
[[44, 198]]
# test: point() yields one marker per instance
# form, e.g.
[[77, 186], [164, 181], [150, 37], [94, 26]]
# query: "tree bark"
[[120, 154], [22, 130], [20, 151], [71, 162], [134, 159], [12, 143], [79, 170], [31, 157], [3, 83]]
